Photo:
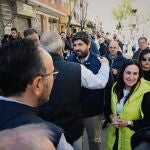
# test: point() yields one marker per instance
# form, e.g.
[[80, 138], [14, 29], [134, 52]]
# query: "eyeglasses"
[[54, 73], [145, 59]]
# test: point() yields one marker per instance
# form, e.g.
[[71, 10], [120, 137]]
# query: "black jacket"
[[14, 114], [64, 107]]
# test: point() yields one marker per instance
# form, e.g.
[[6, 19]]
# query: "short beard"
[[83, 55]]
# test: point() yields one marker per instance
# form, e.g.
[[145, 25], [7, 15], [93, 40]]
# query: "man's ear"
[[89, 45], [37, 85]]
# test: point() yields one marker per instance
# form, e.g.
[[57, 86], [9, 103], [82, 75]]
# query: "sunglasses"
[[145, 59]]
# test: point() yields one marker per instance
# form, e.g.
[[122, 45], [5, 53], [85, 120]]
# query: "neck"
[[127, 88], [145, 69], [24, 100], [113, 56]]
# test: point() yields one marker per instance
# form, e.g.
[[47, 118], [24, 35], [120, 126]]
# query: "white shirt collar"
[[12, 100]]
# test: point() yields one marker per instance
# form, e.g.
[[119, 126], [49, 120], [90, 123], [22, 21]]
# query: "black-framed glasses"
[[54, 73], [145, 59]]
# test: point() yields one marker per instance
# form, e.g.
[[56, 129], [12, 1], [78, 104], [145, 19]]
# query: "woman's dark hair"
[[144, 52], [118, 88]]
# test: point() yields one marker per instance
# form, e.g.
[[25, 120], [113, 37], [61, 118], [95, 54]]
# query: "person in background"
[[91, 99], [67, 45], [19, 35], [129, 109], [116, 59], [143, 44], [13, 35], [5, 40], [103, 48], [32, 34], [26, 79], [144, 60], [116, 38], [27, 137]]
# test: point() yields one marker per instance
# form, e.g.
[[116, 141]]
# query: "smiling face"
[[80, 48], [130, 76]]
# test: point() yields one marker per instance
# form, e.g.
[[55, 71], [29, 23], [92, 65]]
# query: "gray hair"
[[51, 42], [26, 137]]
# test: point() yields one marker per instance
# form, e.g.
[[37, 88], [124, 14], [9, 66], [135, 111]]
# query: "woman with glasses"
[[144, 60], [129, 110]]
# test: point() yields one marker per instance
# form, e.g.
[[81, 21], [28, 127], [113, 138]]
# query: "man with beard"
[[26, 80], [64, 108], [13, 35], [91, 99]]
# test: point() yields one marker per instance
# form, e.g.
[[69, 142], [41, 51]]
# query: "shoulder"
[[72, 57], [146, 100], [93, 55], [147, 96], [93, 58]]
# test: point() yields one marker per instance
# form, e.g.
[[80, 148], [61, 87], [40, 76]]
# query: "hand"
[[123, 123], [103, 60], [114, 71], [115, 120]]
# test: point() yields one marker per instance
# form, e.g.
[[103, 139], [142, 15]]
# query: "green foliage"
[[123, 10], [90, 24], [52, 20]]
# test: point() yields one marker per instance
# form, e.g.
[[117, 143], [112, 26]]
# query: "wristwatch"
[[129, 123]]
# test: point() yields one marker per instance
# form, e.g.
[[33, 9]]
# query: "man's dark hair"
[[20, 63], [13, 29], [83, 36], [142, 38], [29, 31]]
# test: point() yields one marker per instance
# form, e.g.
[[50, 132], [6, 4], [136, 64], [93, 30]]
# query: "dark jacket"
[[136, 55], [14, 114], [144, 122], [64, 108], [91, 100], [146, 75], [103, 49], [94, 48], [116, 63]]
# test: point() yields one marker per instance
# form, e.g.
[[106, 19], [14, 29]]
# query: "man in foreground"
[[26, 80]]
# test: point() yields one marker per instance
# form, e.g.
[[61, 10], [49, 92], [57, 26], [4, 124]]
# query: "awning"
[[74, 23], [46, 9]]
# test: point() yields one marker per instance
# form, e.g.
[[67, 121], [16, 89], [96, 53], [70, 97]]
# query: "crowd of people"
[[56, 87]]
